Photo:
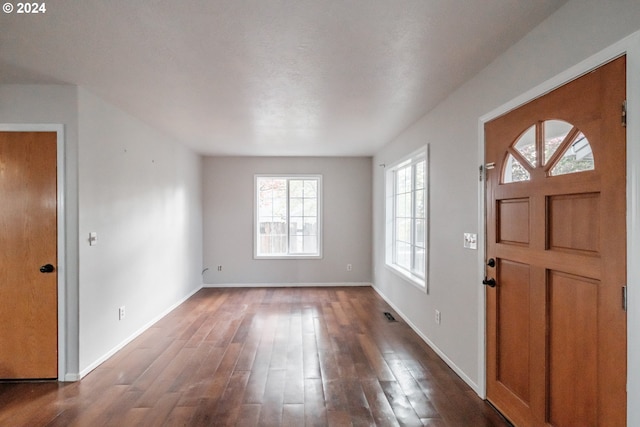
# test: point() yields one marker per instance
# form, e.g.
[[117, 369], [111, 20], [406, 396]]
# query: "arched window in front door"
[[556, 146]]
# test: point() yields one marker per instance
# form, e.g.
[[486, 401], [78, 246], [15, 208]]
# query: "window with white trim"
[[406, 212], [288, 222]]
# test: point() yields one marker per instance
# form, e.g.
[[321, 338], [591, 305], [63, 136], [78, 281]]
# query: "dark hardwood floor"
[[267, 357]]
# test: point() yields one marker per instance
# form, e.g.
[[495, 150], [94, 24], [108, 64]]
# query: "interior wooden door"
[[556, 248], [28, 238]]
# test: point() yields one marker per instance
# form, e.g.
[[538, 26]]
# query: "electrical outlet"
[[219, 268], [121, 313], [349, 267], [438, 317]]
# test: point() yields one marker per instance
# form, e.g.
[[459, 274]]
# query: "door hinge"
[[624, 298], [624, 113]]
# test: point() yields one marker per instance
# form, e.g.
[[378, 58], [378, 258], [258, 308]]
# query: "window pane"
[[403, 255], [310, 207], [272, 228], [295, 187], [403, 230], [279, 244], [304, 245], [272, 237], [310, 189], [296, 226], [272, 197], [419, 261], [420, 233], [265, 209], [280, 208], [420, 174], [400, 179], [514, 171], [296, 244], [310, 244], [420, 208], [404, 180], [310, 226], [526, 145], [555, 131], [402, 203], [265, 202], [271, 184], [577, 158], [295, 207]]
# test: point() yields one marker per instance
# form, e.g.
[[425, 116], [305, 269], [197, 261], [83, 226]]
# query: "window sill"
[[298, 257], [414, 280]]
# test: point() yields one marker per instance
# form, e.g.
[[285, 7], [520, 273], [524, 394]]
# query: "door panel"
[[572, 225], [513, 219], [573, 347], [28, 238], [513, 328], [556, 224]]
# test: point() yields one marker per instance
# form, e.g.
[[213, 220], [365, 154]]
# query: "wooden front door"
[[28, 242], [556, 248]]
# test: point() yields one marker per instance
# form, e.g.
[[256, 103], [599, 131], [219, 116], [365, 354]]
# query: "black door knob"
[[489, 282], [491, 262], [47, 268]]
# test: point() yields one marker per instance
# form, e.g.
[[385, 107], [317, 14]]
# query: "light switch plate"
[[470, 241]]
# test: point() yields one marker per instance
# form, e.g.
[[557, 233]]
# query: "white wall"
[[141, 192], [578, 30], [35, 104], [145, 203], [228, 221]]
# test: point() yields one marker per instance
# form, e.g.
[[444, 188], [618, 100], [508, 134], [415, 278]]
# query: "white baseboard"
[[114, 350], [283, 285], [71, 377], [435, 348]]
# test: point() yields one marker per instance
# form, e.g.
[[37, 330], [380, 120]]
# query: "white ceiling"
[[267, 77]]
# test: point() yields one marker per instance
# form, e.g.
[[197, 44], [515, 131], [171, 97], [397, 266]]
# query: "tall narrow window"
[[407, 218], [288, 220]]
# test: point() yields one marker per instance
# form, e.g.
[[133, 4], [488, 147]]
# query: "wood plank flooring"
[[262, 357]]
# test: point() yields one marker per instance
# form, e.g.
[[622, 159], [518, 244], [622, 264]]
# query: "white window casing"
[[288, 217], [407, 218]]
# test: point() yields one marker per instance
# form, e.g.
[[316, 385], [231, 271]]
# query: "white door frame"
[[62, 284], [631, 47]]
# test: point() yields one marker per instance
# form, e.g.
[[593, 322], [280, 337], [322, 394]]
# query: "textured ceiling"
[[267, 77]]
